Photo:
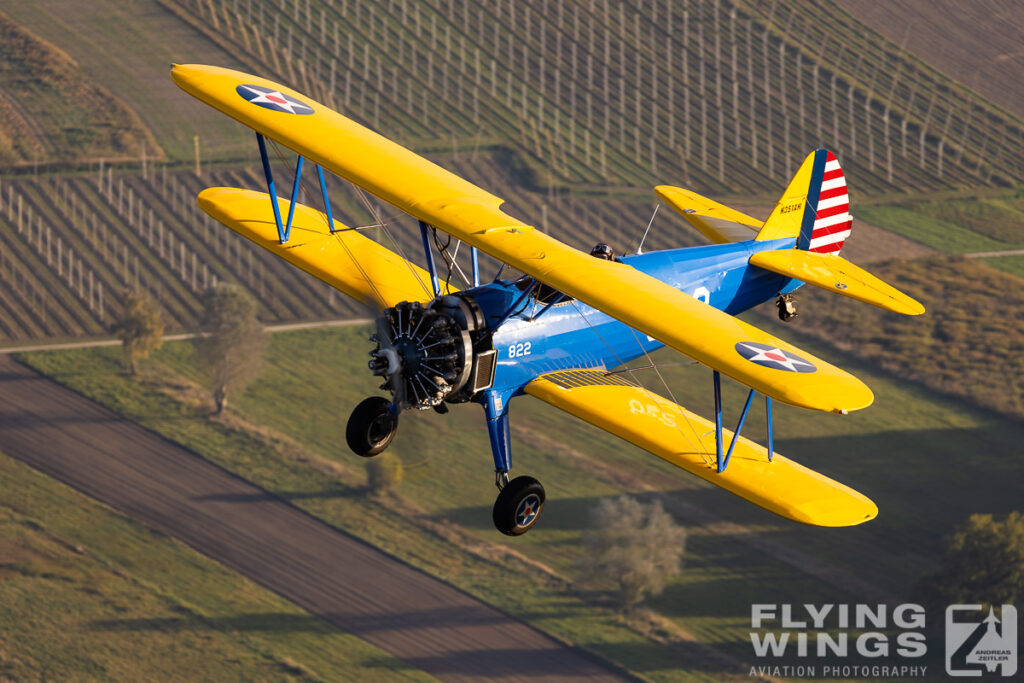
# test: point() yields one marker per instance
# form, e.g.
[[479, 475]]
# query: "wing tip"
[[856, 509], [913, 307], [839, 397]]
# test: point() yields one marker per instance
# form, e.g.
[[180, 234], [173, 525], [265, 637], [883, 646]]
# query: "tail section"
[[815, 208]]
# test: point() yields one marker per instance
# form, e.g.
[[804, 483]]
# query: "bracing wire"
[[382, 302], [699, 449], [455, 262], [375, 213]]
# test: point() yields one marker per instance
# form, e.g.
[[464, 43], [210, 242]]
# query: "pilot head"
[[603, 251]]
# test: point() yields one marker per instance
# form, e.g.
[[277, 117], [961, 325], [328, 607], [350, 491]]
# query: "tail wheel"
[[786, 303], [371, 427], [518, 506]]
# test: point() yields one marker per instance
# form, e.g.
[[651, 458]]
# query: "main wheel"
[[371, 427], [518, 506]]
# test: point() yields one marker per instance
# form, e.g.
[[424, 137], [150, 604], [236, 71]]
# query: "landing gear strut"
[[787, 307], [371, 427], [520, 500]]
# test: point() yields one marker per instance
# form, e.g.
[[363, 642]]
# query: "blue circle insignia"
[[773, 357], [275, 100]]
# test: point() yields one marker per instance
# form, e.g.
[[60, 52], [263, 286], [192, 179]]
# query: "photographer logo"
[[979, 642]]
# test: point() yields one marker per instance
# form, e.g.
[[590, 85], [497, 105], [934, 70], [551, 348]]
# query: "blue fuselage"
[[571, 334]]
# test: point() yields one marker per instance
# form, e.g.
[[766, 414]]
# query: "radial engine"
[[432, 354]]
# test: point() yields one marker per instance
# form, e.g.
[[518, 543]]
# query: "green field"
[[87, 594], [1000, 218], [951, 238], [927, 461], [52, 113], [128, 47], [1013, 265]]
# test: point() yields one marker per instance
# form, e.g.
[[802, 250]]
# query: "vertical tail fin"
[[815, 208]]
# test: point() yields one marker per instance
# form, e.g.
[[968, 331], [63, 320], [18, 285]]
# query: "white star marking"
[[776, 355], [274, 97]]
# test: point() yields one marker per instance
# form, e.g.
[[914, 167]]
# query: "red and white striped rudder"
[[832, 220]]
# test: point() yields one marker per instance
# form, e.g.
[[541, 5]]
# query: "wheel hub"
[[527, 510]]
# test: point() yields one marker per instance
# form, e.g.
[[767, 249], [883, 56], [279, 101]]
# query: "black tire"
[[371, 427], [518, 506]]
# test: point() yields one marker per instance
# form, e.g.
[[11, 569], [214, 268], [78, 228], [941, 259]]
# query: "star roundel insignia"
[[275, 100], [773, 357], [527, 510]]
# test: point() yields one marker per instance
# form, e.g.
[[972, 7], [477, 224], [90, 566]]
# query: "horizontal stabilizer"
[[838, 275], [686, 440], [717, 222], [344, 259]]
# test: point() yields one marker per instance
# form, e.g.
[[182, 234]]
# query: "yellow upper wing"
[[717, 222], [686, 440], [440, 198], [836, 274], [346, 260]]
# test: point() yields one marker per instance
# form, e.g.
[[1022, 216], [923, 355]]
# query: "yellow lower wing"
[[838, 275], [676, 435], [346, 260]]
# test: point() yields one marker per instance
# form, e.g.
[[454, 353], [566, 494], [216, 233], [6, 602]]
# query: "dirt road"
[[352, 585]]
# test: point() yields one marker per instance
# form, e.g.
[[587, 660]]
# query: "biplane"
[[562, 331]]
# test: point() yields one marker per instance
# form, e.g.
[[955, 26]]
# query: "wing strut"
[[430, 259], [723, 461], [271, 190], [327, 201], [284, 228]]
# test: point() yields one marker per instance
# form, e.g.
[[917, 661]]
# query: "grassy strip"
[[1014, 265], [86, 592], [1001, 218], [737, 554], [929, 230], [333, 493]]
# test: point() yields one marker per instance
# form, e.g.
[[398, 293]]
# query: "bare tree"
[[140, 328], [231, 349], [635, 547]]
